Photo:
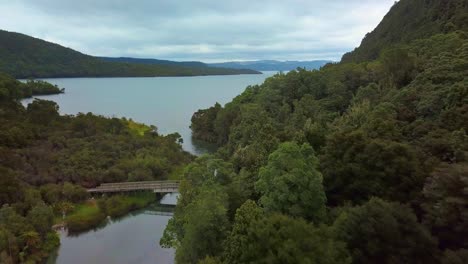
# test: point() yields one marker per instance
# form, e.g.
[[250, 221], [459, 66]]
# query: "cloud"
[[199, 29]]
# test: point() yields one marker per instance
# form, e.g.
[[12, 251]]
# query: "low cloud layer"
[[199, 29]]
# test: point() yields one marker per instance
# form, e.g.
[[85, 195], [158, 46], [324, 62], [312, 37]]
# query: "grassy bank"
[[84, 216], [93, 212]]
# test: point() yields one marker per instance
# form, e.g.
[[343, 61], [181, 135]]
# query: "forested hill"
[[272, 65], [363, 161], [411, 20], [23, 56], [156, 61]]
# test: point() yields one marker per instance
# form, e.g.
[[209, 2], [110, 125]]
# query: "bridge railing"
[[159, 186]]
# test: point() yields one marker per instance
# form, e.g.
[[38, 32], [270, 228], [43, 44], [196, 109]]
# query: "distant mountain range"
[[272, 65], [24, 56], [259, 65]]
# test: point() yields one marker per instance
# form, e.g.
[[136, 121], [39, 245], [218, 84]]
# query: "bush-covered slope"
[[23, 56], [380, 139], [411, 20]]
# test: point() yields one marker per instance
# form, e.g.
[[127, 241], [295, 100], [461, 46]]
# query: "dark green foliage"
[[382, 232], [203, 124], [205, 226], [52, 241], [291, 184], [15, 234], [389, 121], [10, 190], [10, 88], [51, 193], [260, 238], [39, 87], [446, 204], [357, 168], [201, 218], [74, 193], [42, 112], [41, 217], [85, 149], [237, 241], [23, 56]]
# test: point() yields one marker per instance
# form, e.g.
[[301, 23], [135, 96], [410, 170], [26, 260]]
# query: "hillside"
[[271, 65], [363, 161], [23, 56], [411, 20], [155, 61]]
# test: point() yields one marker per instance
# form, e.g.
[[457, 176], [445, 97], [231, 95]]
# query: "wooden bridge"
[[154, 186]]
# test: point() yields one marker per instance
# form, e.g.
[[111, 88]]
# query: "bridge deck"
[[155, 186]]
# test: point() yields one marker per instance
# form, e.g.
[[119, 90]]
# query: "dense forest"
[[23, 56], [46, 159], [362, 161]]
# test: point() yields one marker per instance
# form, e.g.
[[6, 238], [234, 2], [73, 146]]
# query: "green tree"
[[51, 193], [42, 112], [205, 226], [74, 193], [446, 205], [237, 242], [383, 232], [399, 66], [10, 190], [356, 168], [259, 238], [290, 183], [41, 217], [32, 241]]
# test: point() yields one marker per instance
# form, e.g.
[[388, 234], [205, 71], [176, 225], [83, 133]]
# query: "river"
[[133, 238], [168, 103]]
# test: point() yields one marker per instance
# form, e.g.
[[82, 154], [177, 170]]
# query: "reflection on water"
[[133, 238]]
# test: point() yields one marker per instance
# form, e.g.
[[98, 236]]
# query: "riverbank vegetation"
[[84, 217], [363, 161], [91, 213], [46, 161]]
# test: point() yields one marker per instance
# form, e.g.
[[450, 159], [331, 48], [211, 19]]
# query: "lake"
[[166, 102]]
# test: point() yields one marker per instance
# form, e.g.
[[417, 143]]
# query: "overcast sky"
[[204, 30]]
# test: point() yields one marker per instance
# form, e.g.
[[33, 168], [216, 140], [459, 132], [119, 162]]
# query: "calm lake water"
[[168, 103], [133, 238]]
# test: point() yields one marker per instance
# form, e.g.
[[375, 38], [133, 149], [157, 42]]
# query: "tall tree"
[[291, 184], [265, 238], [384, 232], [206, 225], [41, 217]]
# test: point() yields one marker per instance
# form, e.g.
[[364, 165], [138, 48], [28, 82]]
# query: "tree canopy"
[[386, 129]]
